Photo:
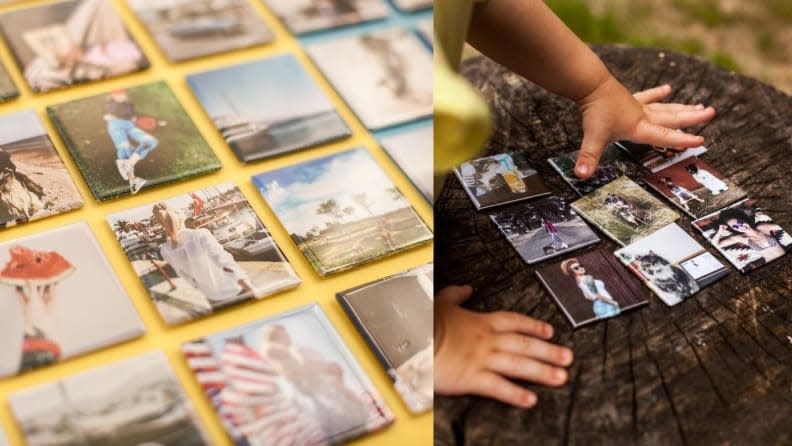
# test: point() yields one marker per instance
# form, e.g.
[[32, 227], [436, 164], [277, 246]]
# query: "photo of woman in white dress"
[[707, 179]]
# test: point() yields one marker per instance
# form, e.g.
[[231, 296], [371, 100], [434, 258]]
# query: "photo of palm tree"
[[342, 210]]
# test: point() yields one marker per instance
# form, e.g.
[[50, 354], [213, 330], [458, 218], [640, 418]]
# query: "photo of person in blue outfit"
[[132, 143]]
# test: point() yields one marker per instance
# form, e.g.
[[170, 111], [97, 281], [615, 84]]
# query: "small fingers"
[[492, 385], [660, 136], [653, 94], [534, 348], [527, 369], [680, 119], [507, 321], [594, 142], [660, 106]]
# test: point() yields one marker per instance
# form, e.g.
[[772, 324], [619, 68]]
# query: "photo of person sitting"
[[707, 179], [593, 289], [198, 258], [739, 227], [21, 197], [132, 144]]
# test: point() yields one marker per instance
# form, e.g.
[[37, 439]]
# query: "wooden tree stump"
[[715, 369]]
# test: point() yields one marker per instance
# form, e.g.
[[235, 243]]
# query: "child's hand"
[[611, 113], [477, 353]]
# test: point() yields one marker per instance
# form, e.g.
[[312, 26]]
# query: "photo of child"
[[288, 377], [591, 287], [745, 235], [70, 42], [695, 187], [200, 252], [132, 139]]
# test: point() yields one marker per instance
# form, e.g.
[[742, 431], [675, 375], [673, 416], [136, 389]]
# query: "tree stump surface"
[[715, 369]]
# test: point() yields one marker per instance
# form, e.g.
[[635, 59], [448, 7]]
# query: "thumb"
[[590, 151], [455, 294]]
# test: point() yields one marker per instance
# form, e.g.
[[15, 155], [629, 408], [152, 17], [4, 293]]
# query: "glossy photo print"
[[672, 264], [302, 16], [187, 29], [268, 107], [412, 5], [500, 179], [624, 211], [288, 377], [413, 151], [71, 42], [695, 187], [543, 229], [132, 139], [592, 287], [201, 252], [8, 90], [59, 298], [342, 210], [612, 165], [133, 402], [384, 76], [394, 316], [657, 158], [745, 235], [34, 182]]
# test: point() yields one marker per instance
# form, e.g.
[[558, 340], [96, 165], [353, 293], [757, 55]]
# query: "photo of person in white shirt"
[[197, 257]]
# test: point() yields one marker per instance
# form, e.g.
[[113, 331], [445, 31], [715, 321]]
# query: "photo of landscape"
[[342, 210]]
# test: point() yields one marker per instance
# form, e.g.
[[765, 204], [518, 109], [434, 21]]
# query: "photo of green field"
[[624, 211], [180, 152]]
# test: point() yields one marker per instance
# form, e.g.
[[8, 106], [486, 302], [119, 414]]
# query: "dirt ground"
[[754, 35]]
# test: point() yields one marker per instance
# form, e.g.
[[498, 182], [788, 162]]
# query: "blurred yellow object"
[[462, 118]]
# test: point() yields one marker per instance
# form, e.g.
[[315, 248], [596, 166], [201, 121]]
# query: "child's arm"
[[526, 37]]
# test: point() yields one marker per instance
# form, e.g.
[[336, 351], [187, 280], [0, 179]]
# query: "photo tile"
[[695, 187], [34, 181], [303, 16], [413, 151], [72, 42], [59, 298], [3, 441], [394, 316], [745, 235], [655, 158], [624, 211], [672, 264], [135, 401], [201, 252], [342, 210], [288, 377], [500, 179], [132, 139], [412, 5], [268, 107], [188, 29], [592, 287], [8, 89], [384, 76], [612, 165], [543, 229], [426, 31]]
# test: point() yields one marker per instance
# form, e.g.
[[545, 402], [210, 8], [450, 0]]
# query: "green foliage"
[[703, 11], [578, 16], [726, 61]]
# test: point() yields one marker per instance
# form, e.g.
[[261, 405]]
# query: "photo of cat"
[[672, 264]]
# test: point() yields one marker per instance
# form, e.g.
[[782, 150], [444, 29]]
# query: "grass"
[[607, 28]]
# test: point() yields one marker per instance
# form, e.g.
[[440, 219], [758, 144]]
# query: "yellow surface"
[[407, 430]]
